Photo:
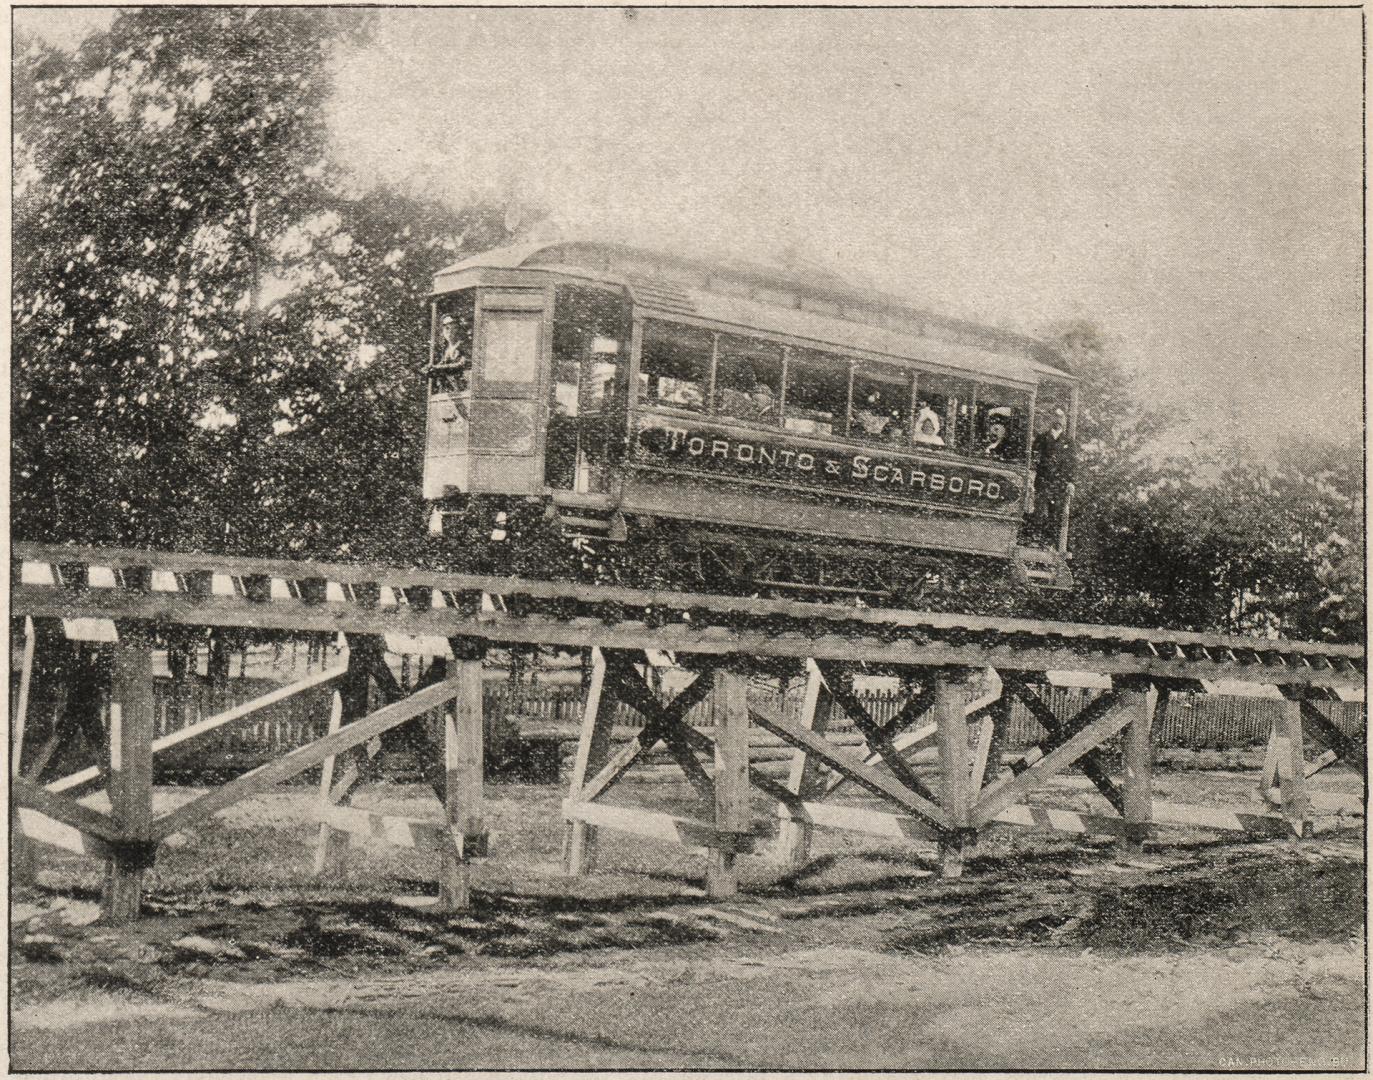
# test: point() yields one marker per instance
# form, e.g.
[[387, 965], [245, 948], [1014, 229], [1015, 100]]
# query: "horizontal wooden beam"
[[63, 808], [1052, 819], [1210, 817], [287, 766], [860, 819], [1327, 802], [1046, 818], [38, 827], [658, 826], [298, 616]]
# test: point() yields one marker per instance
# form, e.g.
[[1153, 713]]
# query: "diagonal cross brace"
[[1092, 763], [1350, 750], [996, 797], [63, 808], [879, 739], [854, 768], [664, 721], [283, 768]]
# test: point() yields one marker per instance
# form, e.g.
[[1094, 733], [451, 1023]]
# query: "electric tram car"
[[731, 426]]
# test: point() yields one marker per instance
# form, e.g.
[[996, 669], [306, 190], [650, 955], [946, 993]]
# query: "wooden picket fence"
[[1193, 721]]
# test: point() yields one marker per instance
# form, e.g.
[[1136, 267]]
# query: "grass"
[[244, 880]]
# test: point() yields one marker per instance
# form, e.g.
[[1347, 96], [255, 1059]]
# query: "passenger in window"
[[452, 347], [764, 401], [927, 427], [873, 417], [998, 431]]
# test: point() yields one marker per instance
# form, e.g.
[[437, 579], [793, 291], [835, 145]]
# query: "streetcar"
[[730, 426]]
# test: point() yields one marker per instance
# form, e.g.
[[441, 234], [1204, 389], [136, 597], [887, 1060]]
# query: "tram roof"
[[671, 293]]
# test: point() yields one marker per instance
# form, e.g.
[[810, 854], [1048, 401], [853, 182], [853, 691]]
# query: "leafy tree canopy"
[[215, 341], [1207, 542]]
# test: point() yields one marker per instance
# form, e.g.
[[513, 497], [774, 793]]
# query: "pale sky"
[[1189, 180]]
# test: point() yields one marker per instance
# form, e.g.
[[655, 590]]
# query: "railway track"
[[288, 596]]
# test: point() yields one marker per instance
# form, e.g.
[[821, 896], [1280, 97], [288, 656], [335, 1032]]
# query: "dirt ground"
[[1048, 954]]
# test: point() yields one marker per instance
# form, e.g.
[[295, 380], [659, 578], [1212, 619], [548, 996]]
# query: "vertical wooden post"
[[1139, 772], [952, 723], [805, 779], [1269, 777], [593, 750], [331, 843], [22, 871], [987, 768], [1292, 766], [462, 742], [732, 810], [131, 772]]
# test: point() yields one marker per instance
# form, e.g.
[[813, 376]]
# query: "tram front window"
[[450, 349]]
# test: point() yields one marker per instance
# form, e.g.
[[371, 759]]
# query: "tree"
[[163, 165], [1222, 543], [1286, 541], [217, 344]]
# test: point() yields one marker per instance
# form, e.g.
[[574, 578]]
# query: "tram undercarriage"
[[537, 538]]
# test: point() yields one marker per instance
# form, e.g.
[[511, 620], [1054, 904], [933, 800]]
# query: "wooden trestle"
[[91, 618]]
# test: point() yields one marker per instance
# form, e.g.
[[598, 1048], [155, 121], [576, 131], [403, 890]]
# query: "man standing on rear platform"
[[1055, 461]]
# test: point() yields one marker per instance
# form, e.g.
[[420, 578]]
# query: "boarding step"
[[1041, 568], [585, 521]]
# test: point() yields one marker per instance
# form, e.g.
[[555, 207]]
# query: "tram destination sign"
[[848, 470]]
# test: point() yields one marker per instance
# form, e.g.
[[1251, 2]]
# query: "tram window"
[[589, 349], [999, 424], [450, 351], [674, 367], [817, 393], [748, 379], [944, 413], [510, 349], [881, 405], [453, 318]]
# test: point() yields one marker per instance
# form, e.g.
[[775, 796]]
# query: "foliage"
[[1222, 542], [215, 344]]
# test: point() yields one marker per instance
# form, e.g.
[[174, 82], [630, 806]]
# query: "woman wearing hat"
[[452, 347]]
